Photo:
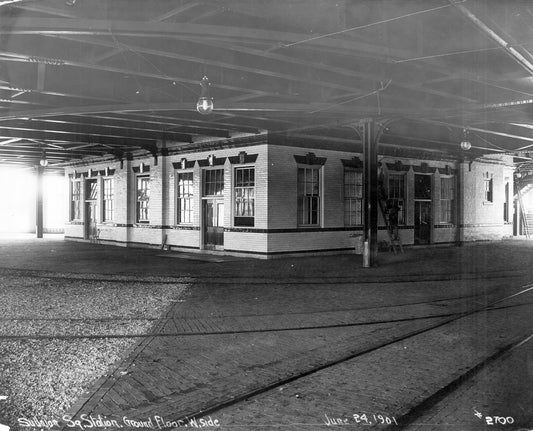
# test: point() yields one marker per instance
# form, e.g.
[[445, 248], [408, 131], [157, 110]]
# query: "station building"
[[268, 197]]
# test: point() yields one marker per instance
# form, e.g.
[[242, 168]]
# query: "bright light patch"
[[18, 197]]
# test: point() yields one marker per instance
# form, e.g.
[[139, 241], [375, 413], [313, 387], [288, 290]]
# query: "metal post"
[[370, 180], [39, 203]]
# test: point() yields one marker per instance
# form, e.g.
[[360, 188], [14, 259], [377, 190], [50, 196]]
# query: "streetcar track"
[[416, 411], [282, 280], [127, 319], [210, 409], [251, 331]]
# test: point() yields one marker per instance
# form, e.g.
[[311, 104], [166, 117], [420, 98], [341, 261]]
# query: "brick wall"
[[283, 186], [283, 203], [276, 227], [484, 220]]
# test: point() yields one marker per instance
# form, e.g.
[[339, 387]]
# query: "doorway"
[[90, 220], [91, 193], [213, 224], [422, 222], [213, 209]]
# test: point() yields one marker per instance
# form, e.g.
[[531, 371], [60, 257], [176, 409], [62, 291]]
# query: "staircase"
[[528, 224], [526, 217]]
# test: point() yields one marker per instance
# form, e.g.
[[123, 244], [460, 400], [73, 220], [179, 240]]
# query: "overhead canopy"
[[85, 78]]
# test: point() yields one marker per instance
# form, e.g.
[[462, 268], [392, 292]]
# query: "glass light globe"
[[204, 105], [43, 162], [466, 145]]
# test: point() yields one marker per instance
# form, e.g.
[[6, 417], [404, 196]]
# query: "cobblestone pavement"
[[240, 338]]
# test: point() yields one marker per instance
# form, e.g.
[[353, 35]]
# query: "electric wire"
[[364, 26]]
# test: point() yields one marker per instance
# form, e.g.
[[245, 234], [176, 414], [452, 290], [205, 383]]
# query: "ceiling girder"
[[155, 129], [49, 125], [371, 78], [176, 11], [205, 61], [94, 27], [25, 58], [74, 137], [506, 45]]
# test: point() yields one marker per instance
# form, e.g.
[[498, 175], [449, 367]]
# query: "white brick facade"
[[276, 229]]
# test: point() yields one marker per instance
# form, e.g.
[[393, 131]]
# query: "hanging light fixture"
[[465, 143], [205, 101], [43, 162]]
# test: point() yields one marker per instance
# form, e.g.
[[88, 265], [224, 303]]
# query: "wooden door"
[[213, 223], [422, 222], [90, 220]]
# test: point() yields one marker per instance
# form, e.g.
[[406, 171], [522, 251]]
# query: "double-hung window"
[[143, 199], [309, 196], [185, 196], [75, 200], [506, 203], [244, 189], [396, 195], [353, 197], [487, 187], [447, 198], [108, 199]]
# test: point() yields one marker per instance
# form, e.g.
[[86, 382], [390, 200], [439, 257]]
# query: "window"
[[397, 195], [108, 198], [75, 200], [92, 190], [506, 201], [244, 210], [447, 196], [143, 199], [487, 186], [353, 197], [185, 193], [214, 182], [308, 196], [423, 187]]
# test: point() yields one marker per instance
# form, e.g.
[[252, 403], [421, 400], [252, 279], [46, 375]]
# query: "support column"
[[462, 197], [370, 181], [39, 203]]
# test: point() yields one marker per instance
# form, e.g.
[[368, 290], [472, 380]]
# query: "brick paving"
[[503, 389], [245, 324], [391, 380]]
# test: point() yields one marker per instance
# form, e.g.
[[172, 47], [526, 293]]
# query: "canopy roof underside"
[[85, 78]]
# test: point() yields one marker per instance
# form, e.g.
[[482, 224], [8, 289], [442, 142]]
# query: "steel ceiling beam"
[[176, 11], [94, 27], [49, 125], [506, 46], [267, 54], [61, 94], [480, 130], [74, 137], [35, 7], [206, 61], [25, 58], [138, 128], [177, 121]]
